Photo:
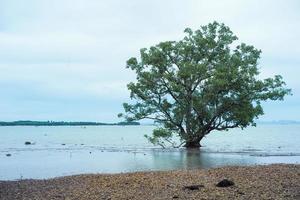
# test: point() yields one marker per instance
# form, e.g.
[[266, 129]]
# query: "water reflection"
[[41, 164], [194, 159]]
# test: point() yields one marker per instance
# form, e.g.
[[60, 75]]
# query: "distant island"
[[63, 123]]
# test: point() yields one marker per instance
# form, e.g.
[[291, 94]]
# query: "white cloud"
[[77, 49]]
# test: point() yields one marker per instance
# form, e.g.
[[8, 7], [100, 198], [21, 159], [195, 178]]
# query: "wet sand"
[[257, 182]]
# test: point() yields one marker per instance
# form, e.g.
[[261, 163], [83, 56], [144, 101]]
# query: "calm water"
[[60, 151]]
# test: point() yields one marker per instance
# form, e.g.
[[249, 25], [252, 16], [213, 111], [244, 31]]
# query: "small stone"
[[225, 183], [175, 197], [27, 143], [193, 187], [63, 144], [8, 155]]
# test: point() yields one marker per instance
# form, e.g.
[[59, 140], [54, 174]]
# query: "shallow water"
[[60, 151]]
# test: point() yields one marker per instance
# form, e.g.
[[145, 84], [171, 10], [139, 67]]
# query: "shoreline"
[[276, 181]]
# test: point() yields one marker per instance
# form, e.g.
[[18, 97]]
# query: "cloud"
[[57, 52]]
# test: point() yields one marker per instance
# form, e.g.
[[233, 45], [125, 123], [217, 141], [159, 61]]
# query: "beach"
[[277, 181]]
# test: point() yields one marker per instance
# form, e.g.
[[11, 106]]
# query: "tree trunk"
[[193, 144]]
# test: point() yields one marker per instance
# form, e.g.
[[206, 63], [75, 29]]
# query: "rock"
[[27, 143], [175, 197], [241, 193], [63, 144], [8, 155], [193, 187], [225, 183]]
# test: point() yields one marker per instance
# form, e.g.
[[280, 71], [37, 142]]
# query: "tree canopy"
[[199, 84]]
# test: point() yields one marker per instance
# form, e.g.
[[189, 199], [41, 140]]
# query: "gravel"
[[278, 181]]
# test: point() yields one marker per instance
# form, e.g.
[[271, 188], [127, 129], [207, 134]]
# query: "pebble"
[[280, 181]]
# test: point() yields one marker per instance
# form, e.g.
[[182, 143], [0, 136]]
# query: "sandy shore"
[[259, 182]]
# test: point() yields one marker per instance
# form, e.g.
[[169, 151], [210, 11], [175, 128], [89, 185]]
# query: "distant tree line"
[[63, 123]]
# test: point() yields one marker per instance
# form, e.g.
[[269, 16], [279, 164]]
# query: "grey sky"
[[65, 59]]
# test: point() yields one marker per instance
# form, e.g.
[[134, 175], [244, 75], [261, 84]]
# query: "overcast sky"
[[65, 59]]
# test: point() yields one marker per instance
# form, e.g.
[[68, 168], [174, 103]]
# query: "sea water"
[[64, 150]]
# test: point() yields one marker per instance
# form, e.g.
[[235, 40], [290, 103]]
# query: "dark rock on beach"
[[225, 183], [28, 143], [193, 187]]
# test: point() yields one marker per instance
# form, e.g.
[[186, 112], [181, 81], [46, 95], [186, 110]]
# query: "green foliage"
[[161, 136], [199, 84]]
